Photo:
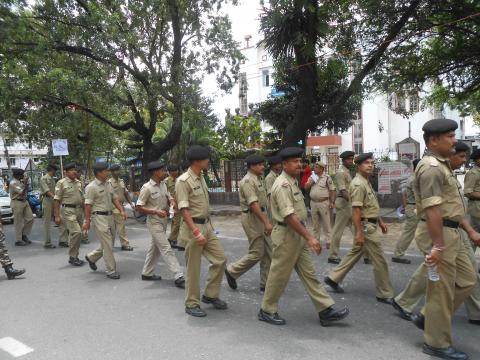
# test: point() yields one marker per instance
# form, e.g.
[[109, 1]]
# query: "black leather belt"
[[71, 206], [370, 220], [104, 213], [285, 224], [22, 200], [321, 200], [200, 220], [247, 211], [448, 223], [411, 204]]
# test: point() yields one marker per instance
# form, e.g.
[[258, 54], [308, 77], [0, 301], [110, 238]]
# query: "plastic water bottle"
[[433, 274], [171, 212]]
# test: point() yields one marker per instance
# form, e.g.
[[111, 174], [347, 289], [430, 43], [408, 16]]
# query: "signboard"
[[392, 175], [60, 147], [275, 93], [407, 151]]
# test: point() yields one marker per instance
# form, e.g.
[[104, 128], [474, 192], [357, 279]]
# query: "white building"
[[19, 154]]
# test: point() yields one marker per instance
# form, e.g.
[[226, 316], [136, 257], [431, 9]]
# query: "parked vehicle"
[[6, 212], [33, 198]]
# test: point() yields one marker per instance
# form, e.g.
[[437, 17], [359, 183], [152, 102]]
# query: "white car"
[[5, 208]]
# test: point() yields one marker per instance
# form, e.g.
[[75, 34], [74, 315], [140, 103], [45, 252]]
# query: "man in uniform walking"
[[173, 173], [22, 214], [69, 196], [411, 220], [120, 190], [472, 192], [99, 202], [154, 201], [255, 223], [366, 220], [47, 188], [198, 236], [275, 163], [81, 178], [5, 261], [291, 246], [322, 201]]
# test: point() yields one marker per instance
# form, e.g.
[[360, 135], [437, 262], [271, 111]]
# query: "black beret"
[[173, 167], [154, 165], [439, 126], [52, 166], [254, 159], [291, 152], [114, 167], [272, 160], [100, 166], [475, 154], [346, 154], [69, 166], [197, 152], [362, 157], [18, 172], [460, 146]]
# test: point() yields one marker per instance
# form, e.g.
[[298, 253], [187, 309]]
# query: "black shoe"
[[367, 261], [20, 243], [419, 321], [63, 244], [334, 260], [49, 246], [330, 315], [92, 265], [180, 248], [180, 282], [385, 300], [445, 353], [401, 260], [113, 276], [173, 243], [26, 239], [335, 287], [262, 289], [85, 241], [75, 261], [403, 313], [273, 319], [216, 302], [195, 311], [474, 322], [151, 277], [12, 273], [127, 248], [231, 281]]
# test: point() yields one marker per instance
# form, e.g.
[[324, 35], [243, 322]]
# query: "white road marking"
[[14, 347]]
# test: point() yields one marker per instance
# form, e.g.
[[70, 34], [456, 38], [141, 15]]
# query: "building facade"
[[19, 154]]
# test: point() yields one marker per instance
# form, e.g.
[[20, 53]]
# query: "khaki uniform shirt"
[[435, 185], [16, 189], [252, 190], [363, 195], [269, 180], [321, 189], [410, 195], [100, 195], [119, 188], [155, 196], [286, 199], [343, 179], [171, 185], [472, 184], [191, 192], [47, 184], [69, 192]]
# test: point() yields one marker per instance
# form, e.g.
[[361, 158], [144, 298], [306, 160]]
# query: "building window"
[[414, 103], [358, 134], [243, 87], [36, 159], [401, 103], [12, 161], [266, 78], [8, 142]]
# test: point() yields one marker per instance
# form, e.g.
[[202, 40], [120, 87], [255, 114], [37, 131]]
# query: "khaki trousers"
[[72, 222], [259, 250], [472, 303], [84, 236], [23, 218], [119, 228], [343, 218], [62, 231], [160, 246], [321, 219], [408, 233], [47, 207], [373, 248], [213, 252], [175, 227], [103, 227], [290, 252]]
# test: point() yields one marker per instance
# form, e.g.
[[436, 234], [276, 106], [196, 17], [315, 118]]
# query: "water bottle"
[[433, 274], [171, 212]]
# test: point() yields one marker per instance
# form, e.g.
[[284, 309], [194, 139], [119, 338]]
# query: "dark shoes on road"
[[151, 277], [216, 302], [367, 261], [180, 282], [195, 311], [49, 246], [474, 322], [273, 319], [419, 321], [92, 265], [334, 286], [13, 273], [400, 260], [174, 245], [63, 244], [26, 240], [113, 276], [402, 312], [387, 301], [20, 243], [231, 281], [334, 260], [330, 315], [127, 248], [75, 261], [445, 353]]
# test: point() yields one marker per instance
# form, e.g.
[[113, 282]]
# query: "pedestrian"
[[81, 178], [255, 223], [22, 213], [366, 220], [322, 201], [411, 220], [197, 234], [99, 202], [7, 264], [472, 192], [275, 163], [173, 174], [69, 196], [47, 188], [121, 191], [291, 246]]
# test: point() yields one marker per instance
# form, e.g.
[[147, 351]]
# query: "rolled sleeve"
[[250, 193], [58, 192], [357, 195], [330, 184], [89, 195], [432, 201], [469, 185], [284, 201], [430, 186], [181, 194], [143, 197]]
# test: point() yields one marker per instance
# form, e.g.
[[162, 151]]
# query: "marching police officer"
[[99, 202], [69, 195], [173, 173], [411, 220], [291, 246], [154, 201], [120, 190], [322, 200], [47, 188], [472, 191], [22, 214], [5, 259], [255, 223], [197, 234], [275, 163], [366, 220], [81, 178]]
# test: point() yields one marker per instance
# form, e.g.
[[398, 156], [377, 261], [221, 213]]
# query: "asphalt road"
[[61, 312]]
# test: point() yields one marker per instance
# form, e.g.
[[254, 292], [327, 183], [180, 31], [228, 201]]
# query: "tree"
[[129, 64]]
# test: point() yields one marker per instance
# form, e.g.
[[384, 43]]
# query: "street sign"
[[275, 93], [60, 147]]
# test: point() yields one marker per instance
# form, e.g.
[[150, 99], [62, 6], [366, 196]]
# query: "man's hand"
[[57, 220], [475, 238], [86, 226], [332, 205], [200, 239], [173, 204], [161, 213], [384, 228], [314, 244], [124, 215], [434, 258], [268, 228], [359, 238]]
